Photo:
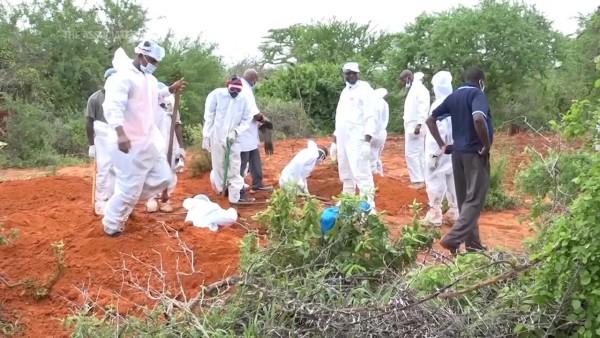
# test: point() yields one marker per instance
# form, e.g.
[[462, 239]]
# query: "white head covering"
[[381, 92], [418, 76], [442, 84], [351, 66], [151, 49]]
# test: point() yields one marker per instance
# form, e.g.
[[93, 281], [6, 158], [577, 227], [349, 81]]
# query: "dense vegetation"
[[356, 280]]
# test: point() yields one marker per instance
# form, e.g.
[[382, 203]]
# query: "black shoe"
[[115, 234], [262, 188]]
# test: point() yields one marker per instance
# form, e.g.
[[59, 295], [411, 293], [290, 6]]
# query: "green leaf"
[[576, 304]]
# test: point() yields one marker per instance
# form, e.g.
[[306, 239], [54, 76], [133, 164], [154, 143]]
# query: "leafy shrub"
[[288, 117], [554, 176], [37, 137], [201, 161], [497, 197]]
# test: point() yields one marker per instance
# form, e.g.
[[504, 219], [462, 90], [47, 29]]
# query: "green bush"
[[497, 197], [37, 137], [288, 117]]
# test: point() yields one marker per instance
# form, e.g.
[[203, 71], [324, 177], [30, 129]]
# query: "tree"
[[195, 61], [510, 41], [333, 41], [316, 85]]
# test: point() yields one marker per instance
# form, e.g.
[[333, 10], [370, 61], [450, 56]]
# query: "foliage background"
[[55, 53]]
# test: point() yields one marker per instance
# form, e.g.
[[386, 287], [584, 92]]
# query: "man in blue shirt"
[[473, 134]]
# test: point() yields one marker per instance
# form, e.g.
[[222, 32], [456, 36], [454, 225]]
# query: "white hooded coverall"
[[382, 109], [300, 167], [222, 115], [131, 100], [439, 175], [354, 118], [416, 110], [105, 174]]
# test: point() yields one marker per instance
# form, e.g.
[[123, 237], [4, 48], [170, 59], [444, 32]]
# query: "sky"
[[238, 26]]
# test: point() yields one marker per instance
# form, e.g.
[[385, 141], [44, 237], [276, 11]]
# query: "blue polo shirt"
[[461, 105]]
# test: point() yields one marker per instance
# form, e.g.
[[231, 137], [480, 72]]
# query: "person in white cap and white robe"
[[227, 115], [355, 126], [416, 110], [378, 142], [136, 147], [439, 175]]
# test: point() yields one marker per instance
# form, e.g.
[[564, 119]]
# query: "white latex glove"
[[206, 144], [333, 152], [231, 136], [432, 161], [92, 152], [365, 151], [181, 152]]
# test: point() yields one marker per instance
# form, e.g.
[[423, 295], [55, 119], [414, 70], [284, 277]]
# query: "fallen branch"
[[209, 289], [494, 280]]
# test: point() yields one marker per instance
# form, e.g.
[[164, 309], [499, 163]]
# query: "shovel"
[[227, 153], [165, 194]]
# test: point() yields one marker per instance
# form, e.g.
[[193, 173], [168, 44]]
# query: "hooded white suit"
[[224, 114], [382, 109], [299, 168], [439, 175], [416, 110], [130, 102], [355, 117]]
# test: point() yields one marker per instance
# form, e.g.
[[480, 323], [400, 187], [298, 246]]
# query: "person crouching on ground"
[[301, 166]]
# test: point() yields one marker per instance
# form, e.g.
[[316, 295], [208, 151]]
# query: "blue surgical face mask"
[[148, 68]]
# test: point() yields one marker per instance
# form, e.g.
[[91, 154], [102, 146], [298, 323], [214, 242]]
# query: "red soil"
[[55, 208]]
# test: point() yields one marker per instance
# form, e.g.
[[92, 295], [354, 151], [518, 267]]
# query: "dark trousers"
[[472, 180], [252, 158]]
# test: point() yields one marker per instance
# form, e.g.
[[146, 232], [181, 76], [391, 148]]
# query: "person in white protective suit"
[[301, 166], [227, 115], [378, 142], [416, 109], [166, 107], [105, 174], [439, 176], [355, 123], [136, 147]]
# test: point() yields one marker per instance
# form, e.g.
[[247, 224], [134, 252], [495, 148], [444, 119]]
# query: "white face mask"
[[482, 86], [408, 84], [148, 68]]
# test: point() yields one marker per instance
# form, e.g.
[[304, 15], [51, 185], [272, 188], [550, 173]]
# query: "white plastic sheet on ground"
[[206, 214]]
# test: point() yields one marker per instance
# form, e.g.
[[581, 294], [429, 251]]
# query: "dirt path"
[[54, 208]]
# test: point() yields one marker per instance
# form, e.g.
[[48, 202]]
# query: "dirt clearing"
[[110, 270]]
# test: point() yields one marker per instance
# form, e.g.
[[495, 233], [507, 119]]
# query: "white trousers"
[[377, 145], [235, 181], [353, 169], [414, 151], [141, 174], [105, 173], [440, 184]]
